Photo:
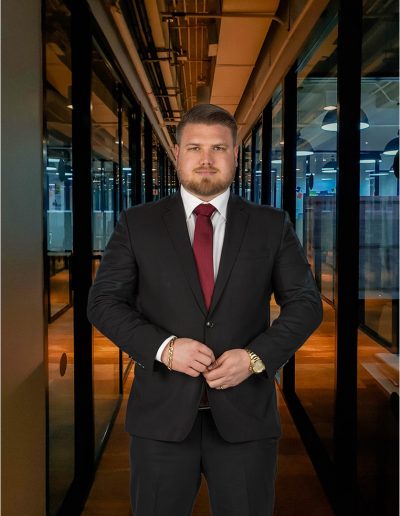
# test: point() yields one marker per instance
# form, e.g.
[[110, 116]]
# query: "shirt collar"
[[190, 202]]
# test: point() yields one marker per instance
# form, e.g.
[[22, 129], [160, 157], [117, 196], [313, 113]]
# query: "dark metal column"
[[289, 182], [119, 194], [289, 148], [148, 160], [120, 183], [266, 154], [81, 44], [347, 252]]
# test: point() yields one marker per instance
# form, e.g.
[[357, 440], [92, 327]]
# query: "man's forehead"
[[207, 132]]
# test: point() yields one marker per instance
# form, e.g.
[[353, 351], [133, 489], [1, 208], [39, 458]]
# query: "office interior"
[[92, 92]]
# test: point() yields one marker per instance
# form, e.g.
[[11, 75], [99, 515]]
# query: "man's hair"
[[207, 114]]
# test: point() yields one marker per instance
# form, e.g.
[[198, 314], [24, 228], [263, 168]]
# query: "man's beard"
[[206, 186]]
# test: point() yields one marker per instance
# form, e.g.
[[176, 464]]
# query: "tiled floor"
[[298, 491]]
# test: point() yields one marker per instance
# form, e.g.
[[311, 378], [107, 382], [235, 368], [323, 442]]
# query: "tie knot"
[[206, 210]]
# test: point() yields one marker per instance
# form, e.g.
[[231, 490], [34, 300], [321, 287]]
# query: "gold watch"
[[256, 366]]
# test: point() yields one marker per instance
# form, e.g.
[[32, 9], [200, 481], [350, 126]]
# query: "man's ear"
[[176, 151]]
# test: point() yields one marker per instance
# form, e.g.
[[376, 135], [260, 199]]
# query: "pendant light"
[[329, 122]]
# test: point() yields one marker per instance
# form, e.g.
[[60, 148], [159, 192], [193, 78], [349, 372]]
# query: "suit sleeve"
[[111, 306], [300, 301]]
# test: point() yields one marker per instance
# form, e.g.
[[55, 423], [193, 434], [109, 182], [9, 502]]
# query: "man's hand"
[[190, 357], [231, 368]]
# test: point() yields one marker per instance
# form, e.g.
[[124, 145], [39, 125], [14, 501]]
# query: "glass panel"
[[171, 178], [378, 360], [58, 187], [126, 185], [315, 227], [142, 146], [239, 177], [155, 169], [246, 173], [277, 148], [103, 198], [258, 165], [105, 168], [126, 162]]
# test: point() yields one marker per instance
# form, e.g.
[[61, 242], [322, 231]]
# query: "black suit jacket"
[[147, 289]]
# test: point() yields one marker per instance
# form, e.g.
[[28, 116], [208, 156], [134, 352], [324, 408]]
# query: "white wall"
[[23, 379]]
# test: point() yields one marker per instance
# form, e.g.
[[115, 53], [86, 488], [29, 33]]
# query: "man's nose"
[[206, 157]]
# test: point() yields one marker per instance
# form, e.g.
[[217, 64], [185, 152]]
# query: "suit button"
[[210, 324]]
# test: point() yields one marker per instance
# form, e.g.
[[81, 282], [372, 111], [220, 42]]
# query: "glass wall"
[[127, 192], [142, 160], [316, 223], [156, 164], [378, 360], [172, 179], [257, 165], [112, 174], [58, 187], [105, 180], [277, 148], [246, 169]]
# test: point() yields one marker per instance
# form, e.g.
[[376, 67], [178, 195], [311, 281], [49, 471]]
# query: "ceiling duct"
[[167, 59], [137, 62], [242, 32]]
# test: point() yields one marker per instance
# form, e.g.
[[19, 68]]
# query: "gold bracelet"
[[171, 352]]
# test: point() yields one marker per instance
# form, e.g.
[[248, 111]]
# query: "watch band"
[[253, 360]]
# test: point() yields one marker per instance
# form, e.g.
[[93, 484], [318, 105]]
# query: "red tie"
[[203, 250]]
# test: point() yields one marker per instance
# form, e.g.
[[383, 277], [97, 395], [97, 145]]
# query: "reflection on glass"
[[127, 186], [126, 162], [277, 148], [378, 351], [316, 226], [105, 199], [258, 164], [155, 169], [58, 203], [171, 178], [142, 161]]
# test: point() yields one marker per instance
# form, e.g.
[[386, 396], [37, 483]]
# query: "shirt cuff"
[[162, 347]]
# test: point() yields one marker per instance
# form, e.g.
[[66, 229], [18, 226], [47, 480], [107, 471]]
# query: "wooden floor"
[[298, 491]]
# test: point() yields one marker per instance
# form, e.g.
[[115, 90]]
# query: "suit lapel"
[[175, 221], [236, 222]]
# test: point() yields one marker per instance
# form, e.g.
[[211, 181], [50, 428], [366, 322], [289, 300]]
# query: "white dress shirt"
[[218, 220]]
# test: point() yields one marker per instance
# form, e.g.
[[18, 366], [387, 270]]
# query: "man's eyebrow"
[[219, 144]]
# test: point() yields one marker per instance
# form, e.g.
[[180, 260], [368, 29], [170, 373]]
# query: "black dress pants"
[[165, 476]]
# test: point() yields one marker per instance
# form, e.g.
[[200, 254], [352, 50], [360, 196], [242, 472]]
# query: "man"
[[184, 288]]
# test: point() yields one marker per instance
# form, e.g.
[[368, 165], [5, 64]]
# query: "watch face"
[[258, 367]]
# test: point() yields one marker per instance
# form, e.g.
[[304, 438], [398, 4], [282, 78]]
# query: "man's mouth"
[[205, 171]]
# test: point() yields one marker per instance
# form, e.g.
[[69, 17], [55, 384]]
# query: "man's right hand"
[[190, 357]]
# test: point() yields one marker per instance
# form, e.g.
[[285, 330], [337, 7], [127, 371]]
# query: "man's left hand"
[[229, 370]]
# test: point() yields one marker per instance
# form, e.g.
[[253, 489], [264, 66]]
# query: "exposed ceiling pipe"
[[127, 39], [235, 14], [160, 41]]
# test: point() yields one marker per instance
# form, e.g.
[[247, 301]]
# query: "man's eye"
[[219, 148], [193, 148]]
